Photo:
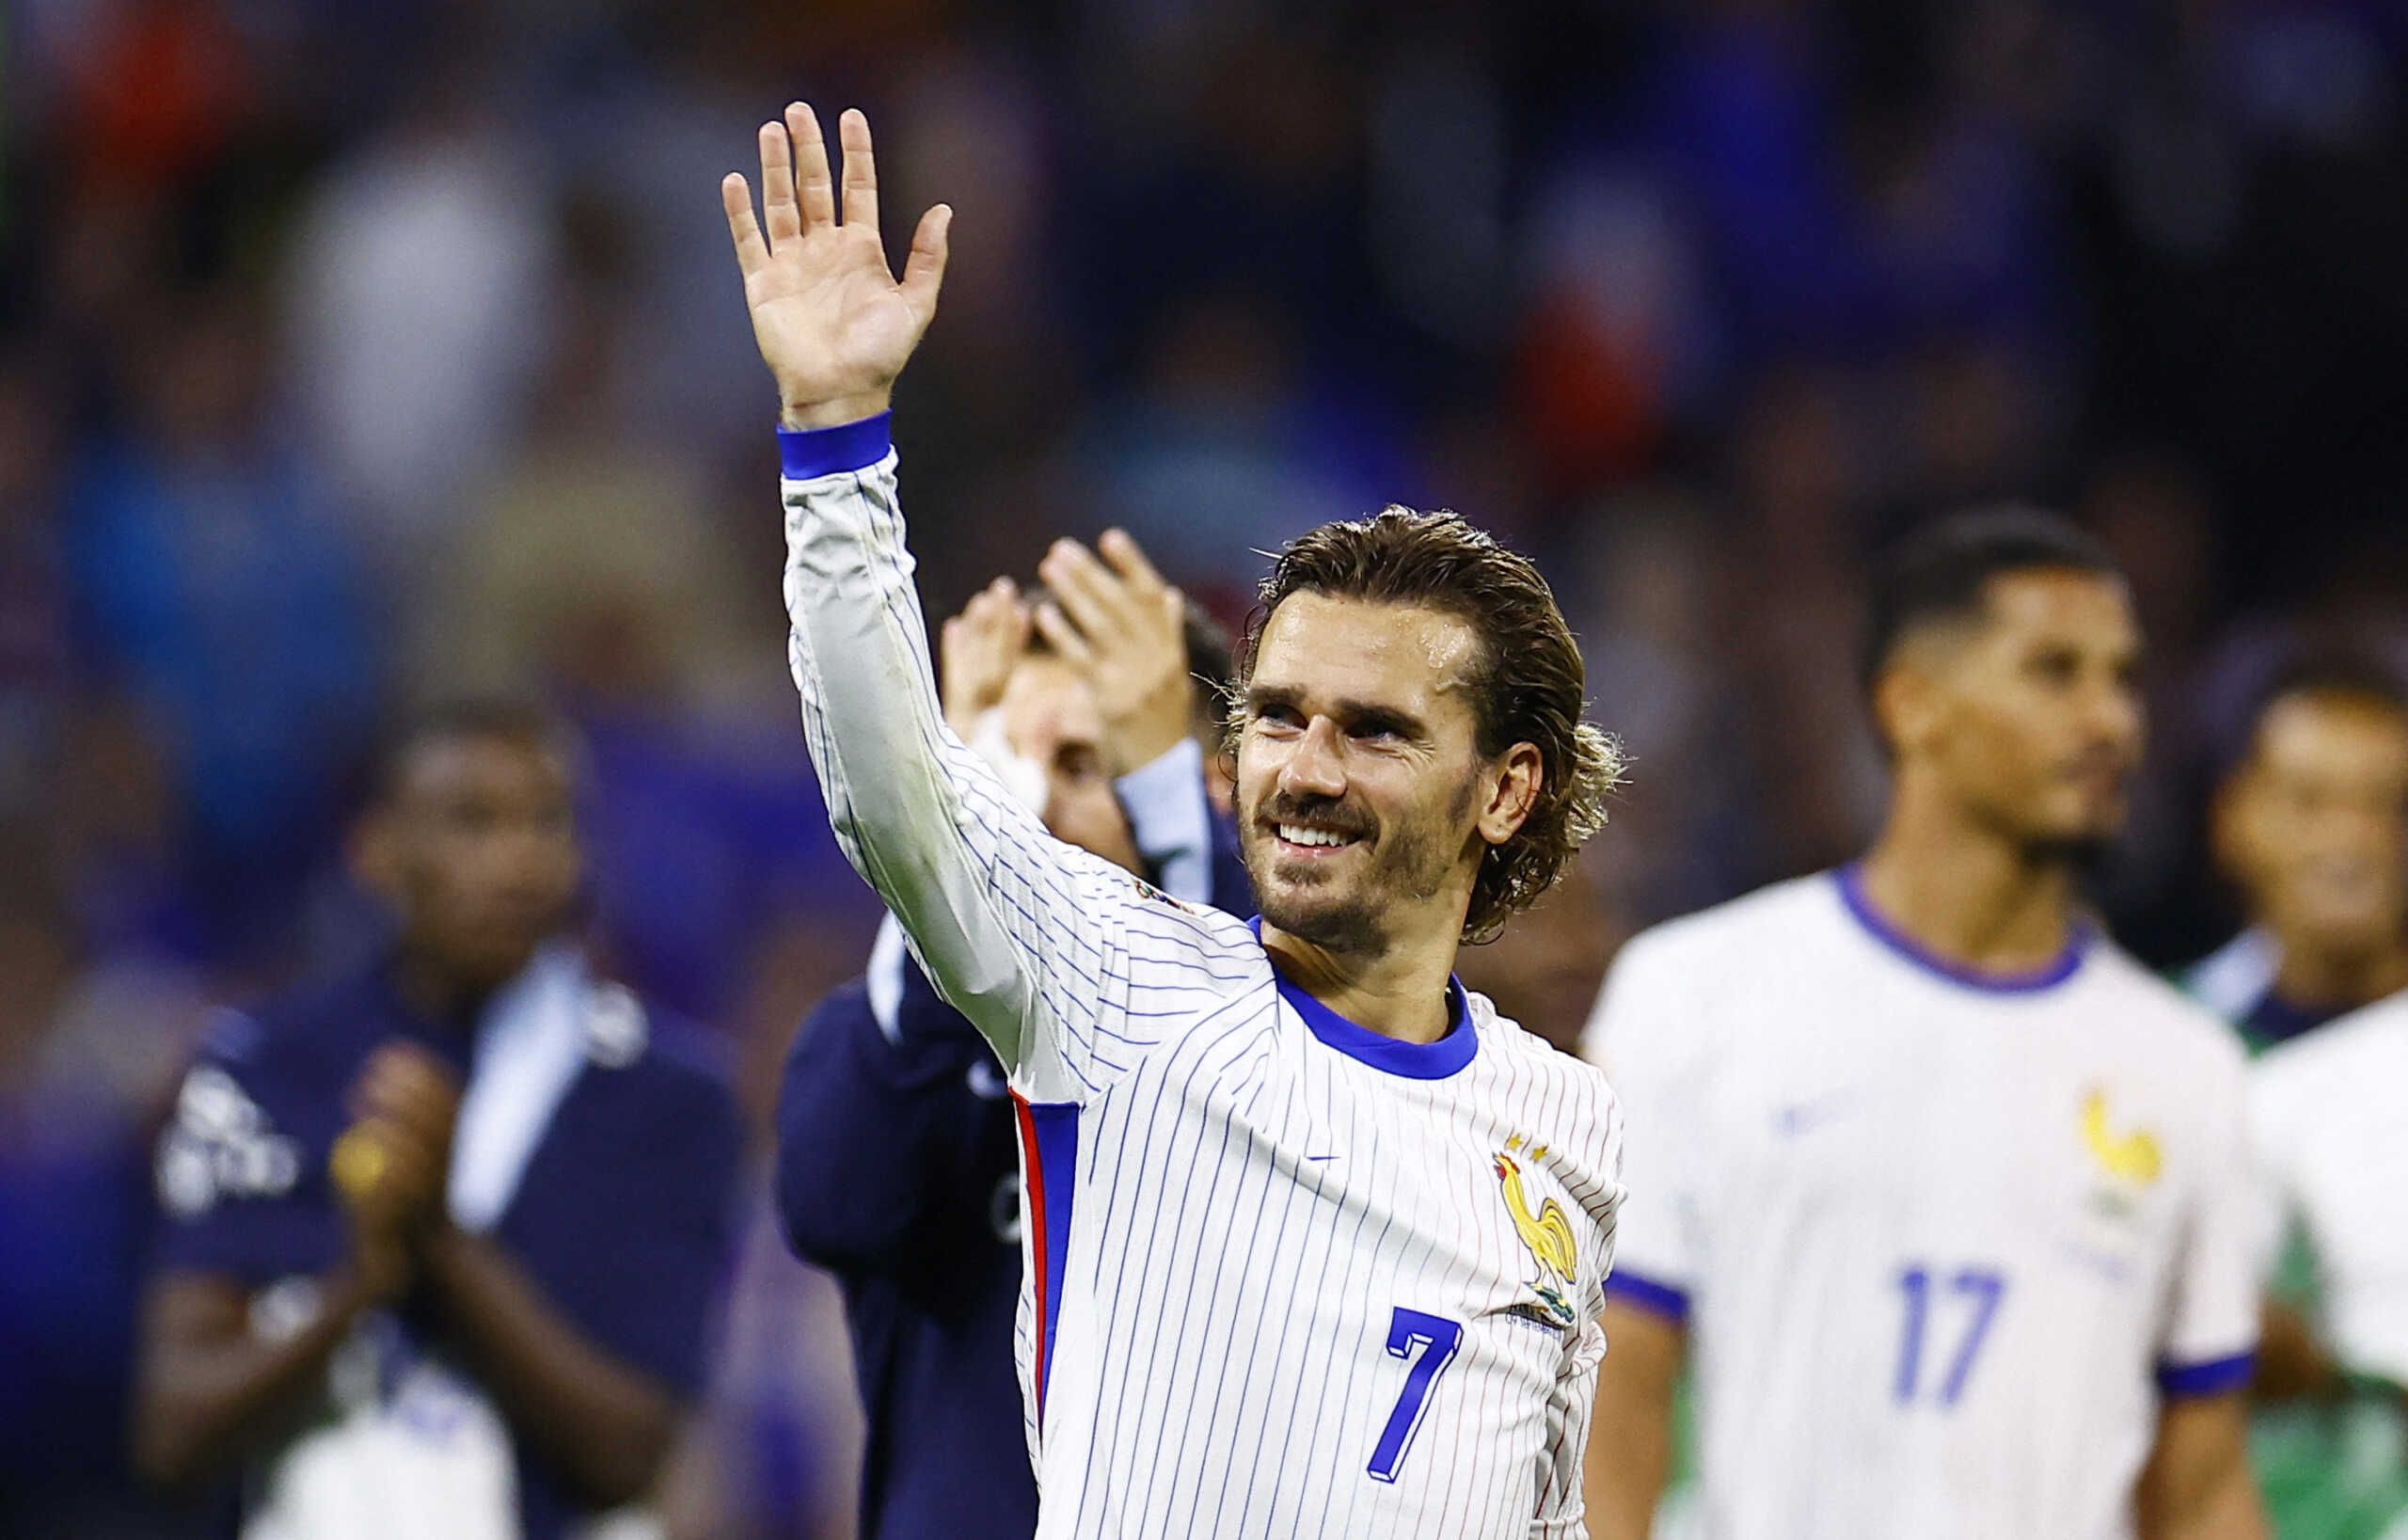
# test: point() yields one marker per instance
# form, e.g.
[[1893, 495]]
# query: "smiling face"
[[1364, 802], [2026, 717], [2314, 825]]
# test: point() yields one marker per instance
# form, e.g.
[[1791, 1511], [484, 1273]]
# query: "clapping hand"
[[1111, 615]]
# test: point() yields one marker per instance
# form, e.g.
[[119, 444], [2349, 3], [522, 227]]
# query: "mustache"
[[1331, 813]]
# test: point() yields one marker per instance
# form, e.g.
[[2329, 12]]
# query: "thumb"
[[923, 270]]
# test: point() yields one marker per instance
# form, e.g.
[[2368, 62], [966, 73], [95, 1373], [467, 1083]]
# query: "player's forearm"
[[605, 1424], [210, 1386], [2196, 1485], [916, 813], [1630, 1433]]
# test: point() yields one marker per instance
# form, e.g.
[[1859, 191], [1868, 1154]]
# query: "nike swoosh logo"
[[1804, 1117]]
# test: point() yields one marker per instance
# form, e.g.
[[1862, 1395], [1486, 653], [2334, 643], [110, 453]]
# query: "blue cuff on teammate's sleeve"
[[1647, 1294], [2213, 1378], [806, 454]]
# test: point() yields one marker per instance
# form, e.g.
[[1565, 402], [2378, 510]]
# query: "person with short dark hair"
[[1313, 1242], [441, 1237], [1950, 1195], [2311, 826]]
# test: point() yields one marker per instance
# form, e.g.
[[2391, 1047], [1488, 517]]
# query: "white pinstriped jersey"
[[1284, 1276]]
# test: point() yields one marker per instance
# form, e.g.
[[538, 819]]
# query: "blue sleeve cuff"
[[805, 454], [2213, 1378], [1629, 1288]]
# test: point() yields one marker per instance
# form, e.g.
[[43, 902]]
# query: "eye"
[[1278, 718]]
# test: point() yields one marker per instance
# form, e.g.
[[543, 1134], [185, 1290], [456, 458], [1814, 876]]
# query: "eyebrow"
[[1354, 715]]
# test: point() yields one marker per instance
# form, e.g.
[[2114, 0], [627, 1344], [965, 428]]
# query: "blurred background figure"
[[2311, 827], [898, 1157], [443, 1237]]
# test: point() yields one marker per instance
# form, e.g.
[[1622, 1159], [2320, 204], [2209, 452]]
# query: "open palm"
[[832, 324]]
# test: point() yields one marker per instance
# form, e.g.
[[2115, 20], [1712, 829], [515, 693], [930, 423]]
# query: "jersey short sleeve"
[[2210, 1333], [238, 1170], [1642, 1034]]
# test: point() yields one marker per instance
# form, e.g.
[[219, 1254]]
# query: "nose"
[[1316, 767]]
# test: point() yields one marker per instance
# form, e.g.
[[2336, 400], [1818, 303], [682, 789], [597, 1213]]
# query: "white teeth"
[[1298, 834]]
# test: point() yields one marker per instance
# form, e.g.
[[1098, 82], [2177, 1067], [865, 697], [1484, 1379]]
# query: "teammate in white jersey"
[[1944, 1197], [1315, 1243]]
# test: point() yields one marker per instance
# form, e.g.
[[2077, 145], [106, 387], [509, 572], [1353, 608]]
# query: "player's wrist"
[[803, 415], [807, 454]]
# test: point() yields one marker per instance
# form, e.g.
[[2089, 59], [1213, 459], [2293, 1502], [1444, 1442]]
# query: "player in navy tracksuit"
[[441, 1238], [897, 1164]]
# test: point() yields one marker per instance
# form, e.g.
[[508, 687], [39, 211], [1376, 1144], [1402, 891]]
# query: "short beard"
[[2084, 855], [1410, 862]]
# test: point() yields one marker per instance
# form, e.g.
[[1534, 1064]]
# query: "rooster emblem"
[[1547, 1232], [2128, 1157]]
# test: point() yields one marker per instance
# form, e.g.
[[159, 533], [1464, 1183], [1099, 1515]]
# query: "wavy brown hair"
[[1528, 683]]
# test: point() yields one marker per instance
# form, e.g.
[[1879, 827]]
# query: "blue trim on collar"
[[1850, 880], [808, 453], [1393, 1056]]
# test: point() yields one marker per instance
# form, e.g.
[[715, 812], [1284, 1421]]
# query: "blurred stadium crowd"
[[355, 354]]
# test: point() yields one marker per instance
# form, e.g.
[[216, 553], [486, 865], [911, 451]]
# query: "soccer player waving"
[[1315, 1243], [1948, 1196]]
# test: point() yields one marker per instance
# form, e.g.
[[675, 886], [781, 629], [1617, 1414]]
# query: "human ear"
[[1519, 775]]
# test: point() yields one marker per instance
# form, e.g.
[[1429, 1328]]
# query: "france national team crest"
[[2128, 1160], [1547, 1233]]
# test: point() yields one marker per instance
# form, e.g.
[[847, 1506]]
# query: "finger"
[[817, 193], [751, 251], [861, 170], [1128, 559], [923, 269], [1085, 590], [782, 220], [1064, 636]]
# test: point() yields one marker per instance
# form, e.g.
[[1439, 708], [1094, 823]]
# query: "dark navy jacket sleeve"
[[241, 1166], [872, 1124], [1232, 892]]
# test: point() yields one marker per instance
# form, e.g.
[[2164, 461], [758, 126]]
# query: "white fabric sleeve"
[[1563, 1514], [1643, 1035], [1034, 940], [2210, 1334], [1170, 817]]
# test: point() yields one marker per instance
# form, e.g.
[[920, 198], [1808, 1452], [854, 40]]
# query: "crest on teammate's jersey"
[[2132, 1158], [1547, 1232]]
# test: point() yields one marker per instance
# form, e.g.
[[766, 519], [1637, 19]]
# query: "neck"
[[436, 993], [1401, 992], [1966, 894], [2340, 980]]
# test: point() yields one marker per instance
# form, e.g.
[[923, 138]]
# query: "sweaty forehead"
[[1411, 654]]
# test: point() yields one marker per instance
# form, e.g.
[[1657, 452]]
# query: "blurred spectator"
[[418, 298], [90, 1044], [443, 1235], [218, 590]]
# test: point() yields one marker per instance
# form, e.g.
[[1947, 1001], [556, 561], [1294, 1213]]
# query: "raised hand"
[[979, 649], [833, 325], [1121, 624]]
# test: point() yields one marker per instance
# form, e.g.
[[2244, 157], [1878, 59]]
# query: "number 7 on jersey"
[[1435, 1339]]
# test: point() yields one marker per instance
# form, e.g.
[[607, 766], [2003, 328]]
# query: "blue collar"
[[1851, 879], [1413, 1060]]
